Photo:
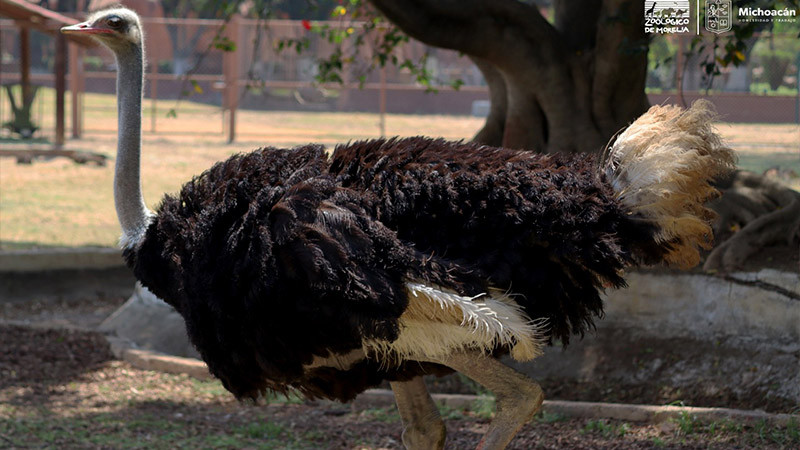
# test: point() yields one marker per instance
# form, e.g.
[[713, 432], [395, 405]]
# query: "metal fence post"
[[797, 97], [153, 95], [231, 75], [797, 100], [61, 87], [383, 102]]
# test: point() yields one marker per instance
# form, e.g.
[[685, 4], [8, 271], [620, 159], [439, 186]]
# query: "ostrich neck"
[[133, 215]]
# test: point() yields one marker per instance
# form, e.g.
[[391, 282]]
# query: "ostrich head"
[[117, 28], [120, 31]]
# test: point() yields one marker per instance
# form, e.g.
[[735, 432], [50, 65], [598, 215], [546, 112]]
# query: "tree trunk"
[[492, 131], [184, 47]]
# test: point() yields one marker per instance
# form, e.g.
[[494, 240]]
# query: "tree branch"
[[577, 22], [475, 27], [620, 65]]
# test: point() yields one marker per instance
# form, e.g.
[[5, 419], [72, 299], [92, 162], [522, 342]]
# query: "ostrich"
[[403, 257]]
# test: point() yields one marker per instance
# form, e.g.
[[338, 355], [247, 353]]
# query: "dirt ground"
[[87, 310], [63, 389]]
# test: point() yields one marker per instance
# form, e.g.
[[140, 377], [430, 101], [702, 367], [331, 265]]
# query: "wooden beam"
[[153, 96], [27, 14], [61, 87], [25, 63], [75, 75]]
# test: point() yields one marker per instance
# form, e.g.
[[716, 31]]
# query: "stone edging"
[[591, 410], [150, 360]]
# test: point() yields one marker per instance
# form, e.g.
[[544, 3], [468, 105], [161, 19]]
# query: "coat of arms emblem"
[[718, 16]]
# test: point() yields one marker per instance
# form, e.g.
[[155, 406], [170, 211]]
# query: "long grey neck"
[[134, 217]]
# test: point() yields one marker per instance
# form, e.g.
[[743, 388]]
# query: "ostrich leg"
[[423, 427], [518, 397]]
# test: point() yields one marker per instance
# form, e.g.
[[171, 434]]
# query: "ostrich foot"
[[423, 426], [518, 398]]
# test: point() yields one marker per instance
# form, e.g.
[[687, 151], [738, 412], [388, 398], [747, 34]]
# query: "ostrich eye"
[[114, 22]]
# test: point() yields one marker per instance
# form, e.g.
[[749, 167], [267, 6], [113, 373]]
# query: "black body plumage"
[[546, 227], [270, 263], [277, 256]]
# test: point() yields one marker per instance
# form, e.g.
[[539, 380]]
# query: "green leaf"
[[224, 44], [196, 86]]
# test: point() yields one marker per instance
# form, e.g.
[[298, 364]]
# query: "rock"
[[150, 324]]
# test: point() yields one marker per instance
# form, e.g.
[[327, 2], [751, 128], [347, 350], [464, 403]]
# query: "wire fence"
[[189, 80], [763, 89]]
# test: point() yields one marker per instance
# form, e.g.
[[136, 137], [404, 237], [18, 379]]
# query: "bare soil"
[[62, 388]]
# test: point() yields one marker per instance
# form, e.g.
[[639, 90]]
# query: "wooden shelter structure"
[[29, 16]]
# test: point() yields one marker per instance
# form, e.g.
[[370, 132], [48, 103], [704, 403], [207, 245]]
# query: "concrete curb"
[[150, 360], [372, 398], [589, 410], [60, 259]]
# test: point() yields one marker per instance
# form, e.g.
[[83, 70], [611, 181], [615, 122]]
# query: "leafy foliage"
[[731, 48], [360, 25], [353, 27], [21, 122]]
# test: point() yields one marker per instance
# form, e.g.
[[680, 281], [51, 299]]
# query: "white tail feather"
[[661, 167]]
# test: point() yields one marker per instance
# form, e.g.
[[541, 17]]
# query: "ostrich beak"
[[84, 28]]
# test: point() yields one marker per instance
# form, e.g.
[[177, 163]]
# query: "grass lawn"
[[60, 203]]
